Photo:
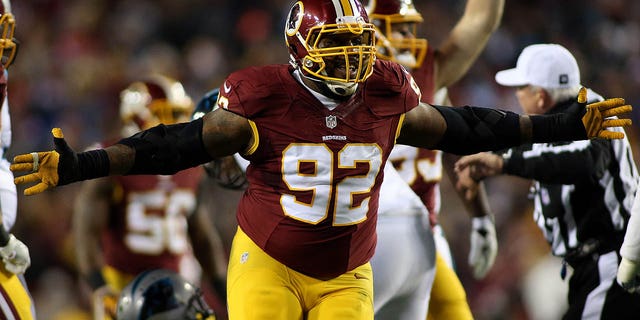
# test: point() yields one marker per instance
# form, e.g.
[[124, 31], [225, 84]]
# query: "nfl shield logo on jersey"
[[332, 121]]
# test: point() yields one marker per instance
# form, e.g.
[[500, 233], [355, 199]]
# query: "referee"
[[583, 190]]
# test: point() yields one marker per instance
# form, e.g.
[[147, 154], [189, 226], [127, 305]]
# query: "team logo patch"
[[331, 121], [294, 19], [244, 257]]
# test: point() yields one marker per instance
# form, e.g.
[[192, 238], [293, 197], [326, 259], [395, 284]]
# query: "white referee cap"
[[549, 66]]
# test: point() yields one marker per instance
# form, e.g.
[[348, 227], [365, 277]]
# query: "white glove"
[[15, 256], [629, 275], [484, 246], [105, 301]]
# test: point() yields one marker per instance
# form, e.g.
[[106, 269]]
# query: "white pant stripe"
[[607, 267]]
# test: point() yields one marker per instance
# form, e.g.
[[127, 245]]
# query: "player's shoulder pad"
[[249, 91], [390, 90]]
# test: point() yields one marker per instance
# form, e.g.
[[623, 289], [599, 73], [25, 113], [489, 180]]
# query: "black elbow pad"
[[475, 129], [167, 149]]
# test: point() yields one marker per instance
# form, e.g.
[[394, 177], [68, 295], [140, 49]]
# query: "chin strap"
[[341, 89], [333, 89]]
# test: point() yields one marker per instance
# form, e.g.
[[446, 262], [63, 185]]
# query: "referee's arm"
[[571, 163]]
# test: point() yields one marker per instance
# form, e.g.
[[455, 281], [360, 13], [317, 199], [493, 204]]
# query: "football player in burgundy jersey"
[[402, 223], [15, 300], [433, 69], [129, 224], [317, 134]]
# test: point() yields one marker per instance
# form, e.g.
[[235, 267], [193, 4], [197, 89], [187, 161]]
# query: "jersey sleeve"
[[233, 94], [391, 90], [249, 91]]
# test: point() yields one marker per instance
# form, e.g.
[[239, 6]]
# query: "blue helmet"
[[225, 171], [206, 104], [161, 294]]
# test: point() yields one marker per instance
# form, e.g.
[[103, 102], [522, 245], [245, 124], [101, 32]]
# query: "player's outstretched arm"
[[58, 167], [467, 130], [164, 149]]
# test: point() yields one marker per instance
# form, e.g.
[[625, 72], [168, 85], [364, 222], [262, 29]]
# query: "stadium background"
[[76, 55]]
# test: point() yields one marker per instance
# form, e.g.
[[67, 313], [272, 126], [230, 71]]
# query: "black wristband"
[[95, 279], [4, 236], [86, 165], [93, 164]]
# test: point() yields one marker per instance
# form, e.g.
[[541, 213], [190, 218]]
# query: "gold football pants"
[[448, 299], [15, 302], [259, 287]]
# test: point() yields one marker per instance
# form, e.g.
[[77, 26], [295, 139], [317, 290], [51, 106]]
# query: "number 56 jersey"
[[315, 172], [148, 221]]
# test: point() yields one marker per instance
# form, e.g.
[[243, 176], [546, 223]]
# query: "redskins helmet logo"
[[295, 18]]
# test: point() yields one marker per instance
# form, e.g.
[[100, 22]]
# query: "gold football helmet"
[[331, 41], [389, 16], [155, 100]]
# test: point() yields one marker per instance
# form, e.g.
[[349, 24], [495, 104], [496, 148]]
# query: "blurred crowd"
[[77, 55]]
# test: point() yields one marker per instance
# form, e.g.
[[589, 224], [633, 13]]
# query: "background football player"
[[126, 225], [15, 300], [435, 69]]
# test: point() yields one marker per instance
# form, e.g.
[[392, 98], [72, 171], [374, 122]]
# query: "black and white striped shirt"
[[582, 190]]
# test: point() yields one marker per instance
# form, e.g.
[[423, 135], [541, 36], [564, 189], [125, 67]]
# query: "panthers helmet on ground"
[[385, 14], [162, 295], [311, 22], [152, 101]]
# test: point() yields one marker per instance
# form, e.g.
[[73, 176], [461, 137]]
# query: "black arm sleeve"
[[167, 149], [474, 129], [569, 163]]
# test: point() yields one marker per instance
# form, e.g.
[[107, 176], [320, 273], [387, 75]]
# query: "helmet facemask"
[[8, 45], [349, 46], [337, 53], [195, 309]]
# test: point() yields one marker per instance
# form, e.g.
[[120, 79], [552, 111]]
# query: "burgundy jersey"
[[148, 221], [422, 168], [315, 173]]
